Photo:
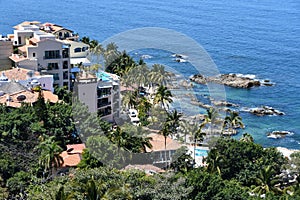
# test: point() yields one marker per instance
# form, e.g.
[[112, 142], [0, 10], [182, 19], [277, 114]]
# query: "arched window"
[[77, 50]]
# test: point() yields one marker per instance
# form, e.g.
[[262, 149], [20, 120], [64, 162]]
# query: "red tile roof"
[[158, 143], [17, 58], [18, 73], [70, 160], [31, 97], [77, 148], [72, 156]]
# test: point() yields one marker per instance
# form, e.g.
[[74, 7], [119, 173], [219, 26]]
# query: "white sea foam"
[[146, 56], [251, 76]]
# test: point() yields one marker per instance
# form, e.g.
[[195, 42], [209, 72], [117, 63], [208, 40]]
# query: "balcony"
[[104, 112], [52, 57]]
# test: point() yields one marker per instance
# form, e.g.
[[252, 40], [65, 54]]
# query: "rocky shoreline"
[[232, 80]]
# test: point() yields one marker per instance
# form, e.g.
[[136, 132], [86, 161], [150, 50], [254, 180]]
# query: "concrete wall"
[[6, 49], [87, 94]]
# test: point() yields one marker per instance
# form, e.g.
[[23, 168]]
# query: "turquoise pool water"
[[103, 76], [201, 152]]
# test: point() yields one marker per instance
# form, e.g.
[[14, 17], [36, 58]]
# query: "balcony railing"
[[52, 57], [100, 105]]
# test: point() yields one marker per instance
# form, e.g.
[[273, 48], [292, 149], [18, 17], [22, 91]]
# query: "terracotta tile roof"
[[147, 168], [17, 58], [31, 97], [22, 48], [72, 156], [18, 73], [77, 148], [70, 160], [33, 40], [158, 143], [25, 23]]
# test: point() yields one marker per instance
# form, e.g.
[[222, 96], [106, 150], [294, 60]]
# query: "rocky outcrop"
[[231, 80], [265, 110], [278, 134]]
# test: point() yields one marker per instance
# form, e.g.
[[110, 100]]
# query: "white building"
[[101, 93], [78, 53], [27, 78], [41, 51]]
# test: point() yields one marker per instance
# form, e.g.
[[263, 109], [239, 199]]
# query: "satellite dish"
[[21, 97]]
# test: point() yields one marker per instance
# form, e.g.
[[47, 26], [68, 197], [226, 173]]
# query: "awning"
[[75, 70], [84, 61]]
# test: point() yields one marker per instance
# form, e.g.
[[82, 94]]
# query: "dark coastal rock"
[[265, 110], [278, 134], [224, 103], [231, 80]]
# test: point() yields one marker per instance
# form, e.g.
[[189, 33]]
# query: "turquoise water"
[[103, 76], [248, 37], [201, 152]]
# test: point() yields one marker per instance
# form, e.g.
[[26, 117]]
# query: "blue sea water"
[[248, 37]]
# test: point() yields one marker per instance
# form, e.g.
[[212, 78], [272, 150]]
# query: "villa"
[[47, 48]]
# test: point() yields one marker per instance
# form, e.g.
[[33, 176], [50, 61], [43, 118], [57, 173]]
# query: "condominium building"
[[101, 93], [41, 51]]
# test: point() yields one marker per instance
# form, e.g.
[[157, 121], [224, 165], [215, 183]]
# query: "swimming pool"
[[103, 76], [201, 152]]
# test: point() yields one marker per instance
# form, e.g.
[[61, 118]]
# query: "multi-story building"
[[78, 53], [101, 93], [41, 51]]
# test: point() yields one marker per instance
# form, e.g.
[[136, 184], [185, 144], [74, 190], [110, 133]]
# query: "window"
[[52, 54], [65, 53], [33, 54], [65, 84], [65, 75], [52, 66], [101, 92], [77, 50], [103, 102], [55, 77], [65, 65]]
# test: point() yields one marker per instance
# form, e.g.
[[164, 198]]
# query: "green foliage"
[[211, 186], [182, 161], [89, 161], [19, 182], [63, 94], [248, 159], [163, 97]]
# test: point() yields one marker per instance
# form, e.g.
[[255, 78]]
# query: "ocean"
[[260, 38]]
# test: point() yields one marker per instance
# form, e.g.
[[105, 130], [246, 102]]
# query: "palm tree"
[[50, 154], [93, 44], [85, 40], [266, 181], [214, 161], [210, 118], [247, 138], [198, 137], [166, 132], [173, 119], [163, 96], [158, 75], [233, 121], [130, 99]]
